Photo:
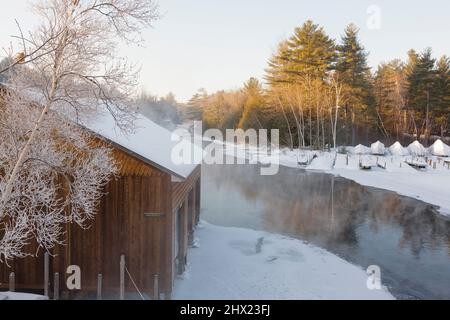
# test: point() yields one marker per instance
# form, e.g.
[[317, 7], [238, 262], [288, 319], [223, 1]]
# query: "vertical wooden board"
[[168, 238], [27, 270], [144, 262], [194, 205], [110, 225]]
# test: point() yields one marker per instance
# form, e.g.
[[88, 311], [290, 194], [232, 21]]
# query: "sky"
[[218, 44]]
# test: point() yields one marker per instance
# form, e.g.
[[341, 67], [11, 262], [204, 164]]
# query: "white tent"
[[378, 148], [417, 149], [440, 149], [398, 150], [360, 149]]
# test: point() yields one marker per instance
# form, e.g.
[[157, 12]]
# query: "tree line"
[[321, 92]]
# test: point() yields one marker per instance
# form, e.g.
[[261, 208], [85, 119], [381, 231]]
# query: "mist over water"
[[407, 238]]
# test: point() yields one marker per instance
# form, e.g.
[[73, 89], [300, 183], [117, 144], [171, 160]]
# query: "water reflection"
[[366, 226]]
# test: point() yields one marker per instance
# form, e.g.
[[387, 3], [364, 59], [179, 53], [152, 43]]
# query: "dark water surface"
[[407, 238]]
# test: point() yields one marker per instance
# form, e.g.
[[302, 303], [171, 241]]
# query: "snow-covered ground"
[[20, 296], [429, 185], [226, 265]]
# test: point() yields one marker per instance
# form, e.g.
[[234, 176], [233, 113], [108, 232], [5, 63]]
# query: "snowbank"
[[20, 296], [440, 149], [227, 266], [360, 149], [378, 148], [322, 162], [417, 149]]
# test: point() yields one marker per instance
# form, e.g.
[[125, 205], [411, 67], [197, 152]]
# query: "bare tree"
[[336, 86], [69, 72]]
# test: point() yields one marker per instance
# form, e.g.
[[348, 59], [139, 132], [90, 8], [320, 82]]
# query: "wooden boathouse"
[[139, 239]]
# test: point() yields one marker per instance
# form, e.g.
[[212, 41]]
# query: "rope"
[[134, 284]]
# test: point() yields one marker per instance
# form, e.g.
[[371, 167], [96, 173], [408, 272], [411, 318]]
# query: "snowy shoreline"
[[430, 185], [227, 266]]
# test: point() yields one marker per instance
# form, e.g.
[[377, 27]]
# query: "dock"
[[416, 164]]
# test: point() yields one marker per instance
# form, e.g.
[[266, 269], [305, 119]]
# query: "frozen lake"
[[405, 237]]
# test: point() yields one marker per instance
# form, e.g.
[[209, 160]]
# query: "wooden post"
[[191, 216], [184, 236], [99, 286], [12, 282], [199, 195], [156, 287], [56, 286], [122, 277], [434, 165], [46, 273]]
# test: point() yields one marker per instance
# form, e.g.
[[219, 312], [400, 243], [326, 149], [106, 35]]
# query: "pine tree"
[[311, 52], [355, 75], [421, 92], [389, 91], [193, 110], [442, 88], [277, 73], [301, 63]]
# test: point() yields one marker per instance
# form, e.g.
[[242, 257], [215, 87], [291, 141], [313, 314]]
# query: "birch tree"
[[68, 72]]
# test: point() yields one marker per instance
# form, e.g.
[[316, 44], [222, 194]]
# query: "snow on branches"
[[51, 171], [60, 181]]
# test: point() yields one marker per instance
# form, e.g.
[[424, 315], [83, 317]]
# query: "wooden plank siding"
[[122, 227], [181, 189]]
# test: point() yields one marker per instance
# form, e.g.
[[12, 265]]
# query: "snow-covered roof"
[[378, 148], [439, 148], [398, 150], [417, 149], [149, 141]]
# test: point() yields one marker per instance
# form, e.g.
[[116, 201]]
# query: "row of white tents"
[[439, 148]]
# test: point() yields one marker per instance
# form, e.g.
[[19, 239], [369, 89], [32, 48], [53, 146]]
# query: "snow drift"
[[378, 148], [417, 149], [398, 150], [440, 149]]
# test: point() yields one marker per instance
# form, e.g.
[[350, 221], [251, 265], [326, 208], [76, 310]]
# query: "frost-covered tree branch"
[[69, 72], [60, 180]]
